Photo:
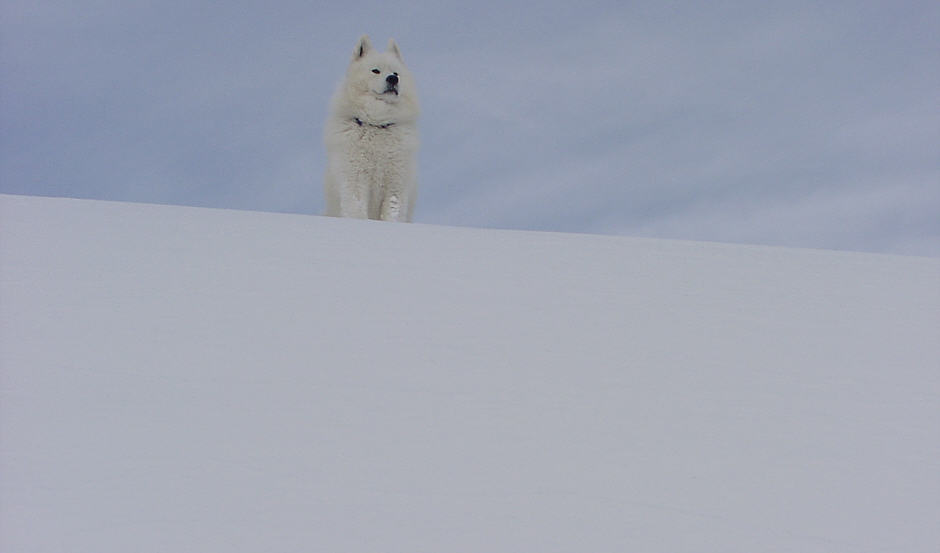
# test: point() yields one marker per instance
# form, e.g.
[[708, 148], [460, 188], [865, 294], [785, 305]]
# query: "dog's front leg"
[[392, 208], [354, 202]]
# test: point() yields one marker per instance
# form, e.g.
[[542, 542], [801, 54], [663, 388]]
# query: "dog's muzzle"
[[391, 84]]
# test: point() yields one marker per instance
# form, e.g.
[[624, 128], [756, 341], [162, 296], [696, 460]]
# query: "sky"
[[806, 124]]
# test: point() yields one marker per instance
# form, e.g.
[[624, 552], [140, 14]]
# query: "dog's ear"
[[362, 47], [393, 48]]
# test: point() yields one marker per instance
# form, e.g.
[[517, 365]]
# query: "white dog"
[[372, 138]]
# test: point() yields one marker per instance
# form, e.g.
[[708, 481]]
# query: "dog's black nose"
[[392, 79]]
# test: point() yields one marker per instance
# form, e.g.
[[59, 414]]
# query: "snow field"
[[179, 379]]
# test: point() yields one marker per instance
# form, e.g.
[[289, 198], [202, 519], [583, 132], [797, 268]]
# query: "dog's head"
[[381, 74]]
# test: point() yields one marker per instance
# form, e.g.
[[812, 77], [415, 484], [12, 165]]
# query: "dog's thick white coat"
[[372, 138]]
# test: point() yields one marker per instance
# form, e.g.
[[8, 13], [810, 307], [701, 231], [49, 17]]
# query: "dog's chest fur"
[[381, 154]]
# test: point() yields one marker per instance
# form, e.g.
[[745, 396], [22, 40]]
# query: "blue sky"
[[786, 123]]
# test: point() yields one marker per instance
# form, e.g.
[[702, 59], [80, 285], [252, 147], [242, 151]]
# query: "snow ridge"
[[181, 379]]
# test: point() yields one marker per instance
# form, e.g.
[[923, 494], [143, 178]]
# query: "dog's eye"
[[376, 71]]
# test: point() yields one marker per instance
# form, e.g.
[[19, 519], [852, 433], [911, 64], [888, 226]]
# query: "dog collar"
[[360, 123]]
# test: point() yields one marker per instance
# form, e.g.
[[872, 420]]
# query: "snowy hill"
[[179, 379]]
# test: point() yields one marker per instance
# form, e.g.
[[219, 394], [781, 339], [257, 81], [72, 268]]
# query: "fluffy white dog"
[[372, 138]]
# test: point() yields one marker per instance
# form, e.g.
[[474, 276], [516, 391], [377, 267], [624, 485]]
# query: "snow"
[[179, 379]]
